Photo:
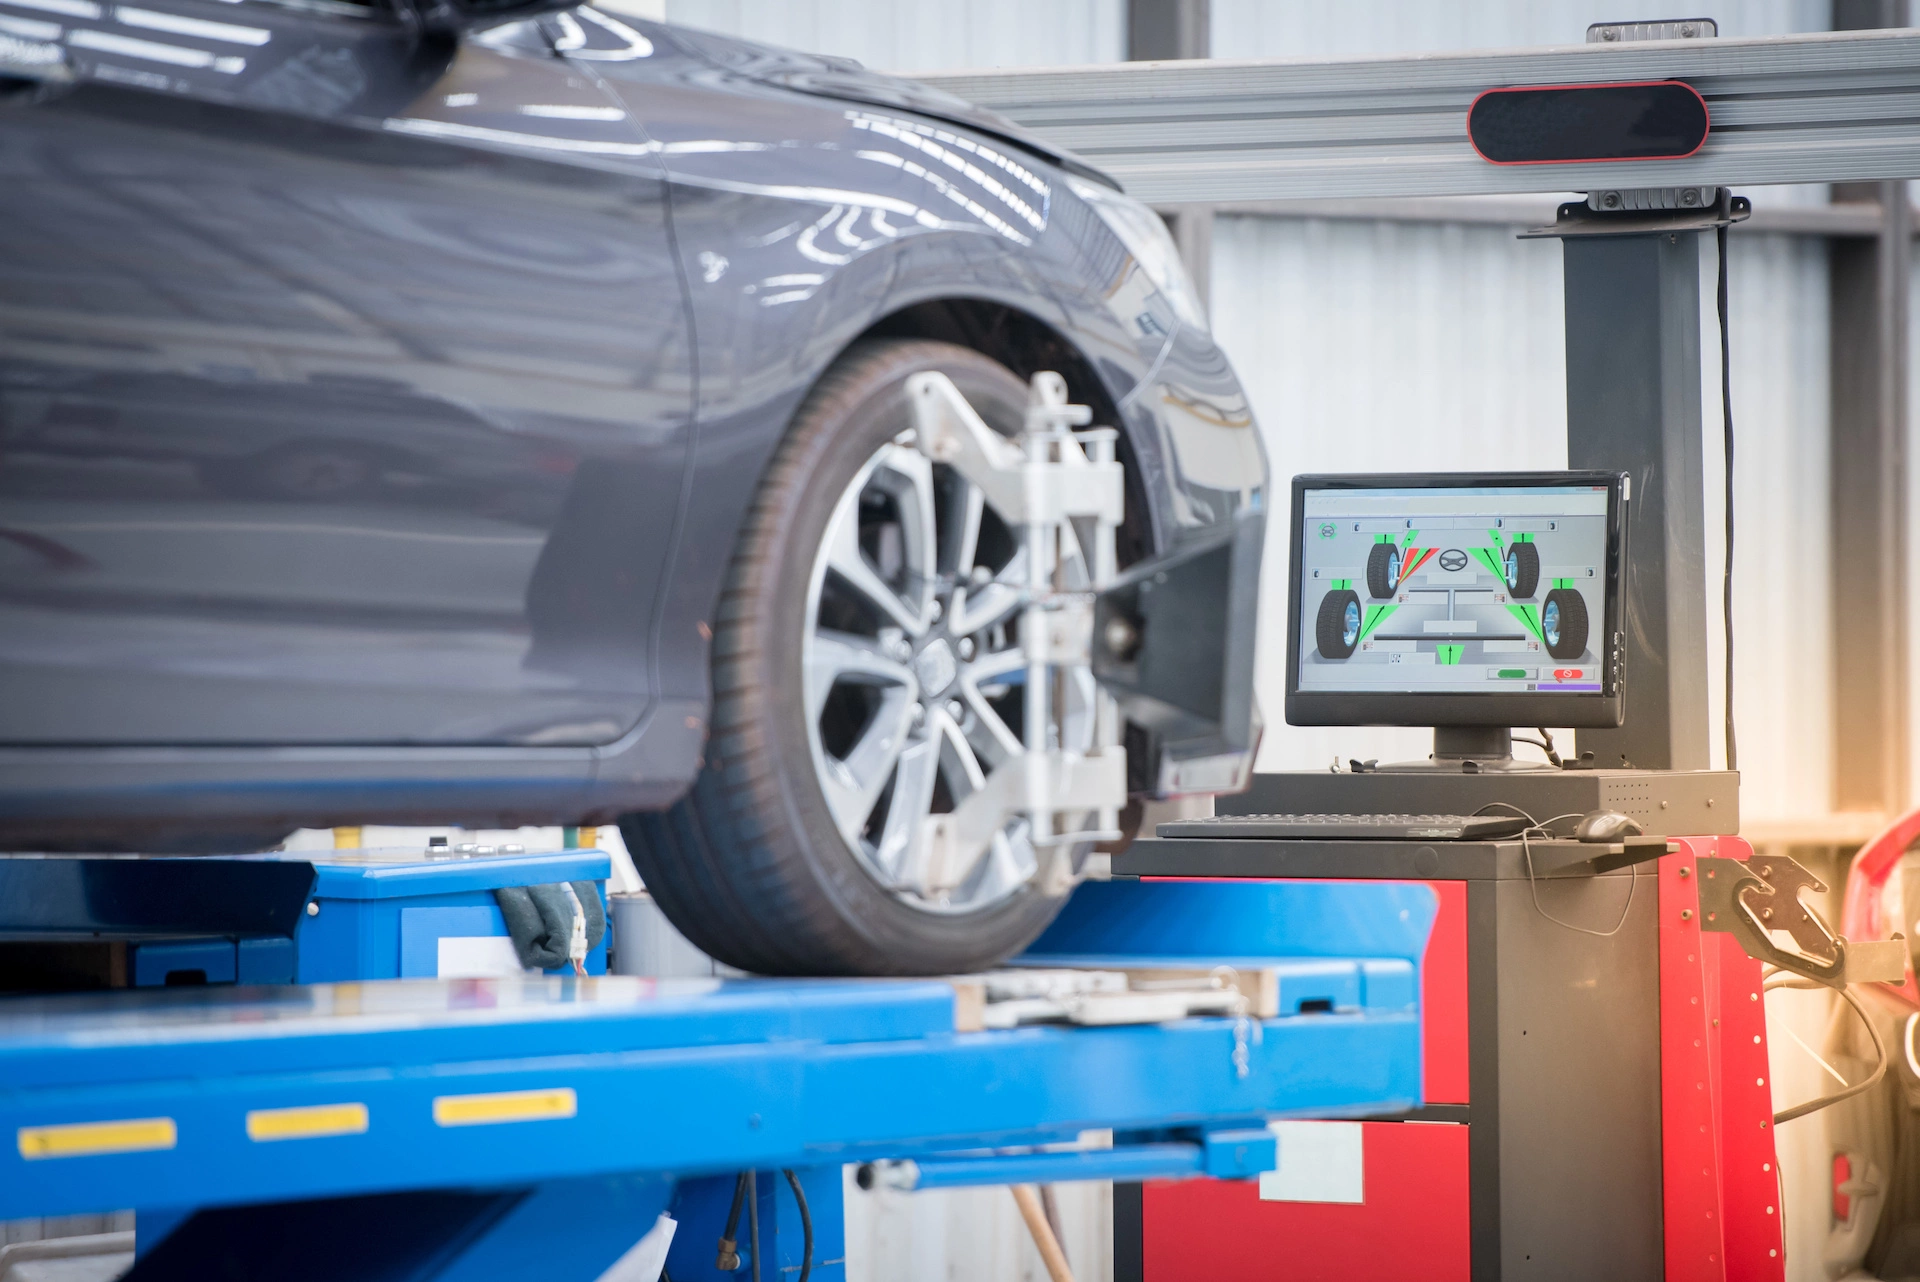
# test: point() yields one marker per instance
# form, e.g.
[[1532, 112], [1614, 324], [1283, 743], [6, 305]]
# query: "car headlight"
[[1146, 237]]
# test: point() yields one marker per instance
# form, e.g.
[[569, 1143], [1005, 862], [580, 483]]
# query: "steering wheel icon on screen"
[[1453, 559]]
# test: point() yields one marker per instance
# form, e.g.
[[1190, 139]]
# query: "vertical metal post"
[[1192, 227], [1867, 371], [1159, 29], [1633, 403]]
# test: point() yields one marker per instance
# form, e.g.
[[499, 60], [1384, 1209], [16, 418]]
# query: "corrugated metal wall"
[[1384, 347]]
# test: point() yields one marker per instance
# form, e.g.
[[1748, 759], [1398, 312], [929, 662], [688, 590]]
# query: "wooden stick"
[[1027, 1197]]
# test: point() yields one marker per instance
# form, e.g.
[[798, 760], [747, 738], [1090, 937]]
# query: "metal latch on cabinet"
[[1751, 900]]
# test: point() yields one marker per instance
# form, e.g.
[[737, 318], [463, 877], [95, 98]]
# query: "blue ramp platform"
[[537, 1126]]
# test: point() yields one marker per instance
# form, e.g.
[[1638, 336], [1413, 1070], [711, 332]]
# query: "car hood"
[[845, 79]]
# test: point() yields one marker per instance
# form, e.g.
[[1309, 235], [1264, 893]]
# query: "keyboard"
[[1350, 827]]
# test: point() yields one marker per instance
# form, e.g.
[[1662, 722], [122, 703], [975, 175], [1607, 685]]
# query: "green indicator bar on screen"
[[1529, 618], [1376, 615], [1513, 674], [1450, 654]]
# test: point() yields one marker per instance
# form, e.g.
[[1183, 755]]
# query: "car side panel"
[[322, 429]]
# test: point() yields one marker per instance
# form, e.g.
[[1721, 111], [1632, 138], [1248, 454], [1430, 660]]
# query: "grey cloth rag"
[[540, 919]]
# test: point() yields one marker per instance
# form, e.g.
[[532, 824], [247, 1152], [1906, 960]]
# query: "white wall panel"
[[924, 37], [960, 1235], [1383, 347]]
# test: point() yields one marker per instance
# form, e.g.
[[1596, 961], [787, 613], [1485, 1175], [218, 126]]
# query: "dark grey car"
[[416, 415]]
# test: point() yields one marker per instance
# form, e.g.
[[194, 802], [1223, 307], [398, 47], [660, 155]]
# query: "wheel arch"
[[1027, 345]]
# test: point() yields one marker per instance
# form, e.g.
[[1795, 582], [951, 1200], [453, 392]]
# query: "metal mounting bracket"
[[1633, 217], [1750, 900], [1066, 492]]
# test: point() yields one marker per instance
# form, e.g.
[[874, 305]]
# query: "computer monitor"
[[1456, 600]]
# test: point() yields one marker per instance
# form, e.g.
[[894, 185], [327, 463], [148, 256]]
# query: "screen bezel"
[[1587, 711]]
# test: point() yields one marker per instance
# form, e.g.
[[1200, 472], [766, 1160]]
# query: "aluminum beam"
[[1834, 107]]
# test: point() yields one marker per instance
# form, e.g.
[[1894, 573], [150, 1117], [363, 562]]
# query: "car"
[[456, 411]]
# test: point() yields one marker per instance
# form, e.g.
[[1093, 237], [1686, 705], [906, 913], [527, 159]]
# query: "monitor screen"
[[1456, 599]]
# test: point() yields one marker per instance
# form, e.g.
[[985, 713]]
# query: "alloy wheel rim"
[[912, 672]]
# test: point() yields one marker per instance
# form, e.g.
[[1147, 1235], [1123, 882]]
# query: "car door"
[[345, 384]]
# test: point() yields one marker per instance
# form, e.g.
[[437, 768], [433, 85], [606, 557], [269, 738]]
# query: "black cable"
[[1879, 1049], [806, 1223], [729, 1257], [1543, 828], [1726, 415], [753, 1220], [1544, 743]]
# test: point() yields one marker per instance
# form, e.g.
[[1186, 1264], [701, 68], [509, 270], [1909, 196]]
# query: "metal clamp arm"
[[1750, 900]]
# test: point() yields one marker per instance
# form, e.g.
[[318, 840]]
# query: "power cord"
[[1541, 829], [728, 1258], [806, 1224], [746, 1192], [1545, 744], [1726, 413], [1777, 980], [753, 1220]]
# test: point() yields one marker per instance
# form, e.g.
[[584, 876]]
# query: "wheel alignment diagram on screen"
[[1560, 622]]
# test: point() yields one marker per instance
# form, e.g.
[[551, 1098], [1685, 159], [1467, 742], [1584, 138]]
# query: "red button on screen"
[[1568, 674]]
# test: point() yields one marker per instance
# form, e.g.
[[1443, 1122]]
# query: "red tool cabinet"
[[1595, 1107]]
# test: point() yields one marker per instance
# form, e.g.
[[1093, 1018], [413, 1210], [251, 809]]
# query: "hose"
[[1879, 1050], [806, 1224]]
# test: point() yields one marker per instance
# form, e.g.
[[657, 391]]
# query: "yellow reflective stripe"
[[85, 1139], [504, 1106], [306, 1123]]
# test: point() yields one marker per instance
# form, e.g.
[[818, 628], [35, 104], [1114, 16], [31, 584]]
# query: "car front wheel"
[[867, 677]]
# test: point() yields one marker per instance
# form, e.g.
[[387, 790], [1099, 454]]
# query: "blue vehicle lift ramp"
[[537, 1127]]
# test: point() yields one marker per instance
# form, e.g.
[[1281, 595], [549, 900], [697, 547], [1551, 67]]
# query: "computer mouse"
[[1606, 825]]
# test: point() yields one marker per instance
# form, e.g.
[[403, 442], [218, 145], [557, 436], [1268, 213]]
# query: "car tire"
[[1563, 623], [1337, 630], [750, 865], [1522, 567], [1383, 569]]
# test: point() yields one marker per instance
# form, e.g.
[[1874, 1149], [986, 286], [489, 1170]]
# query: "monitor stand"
[[1468, 750]]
